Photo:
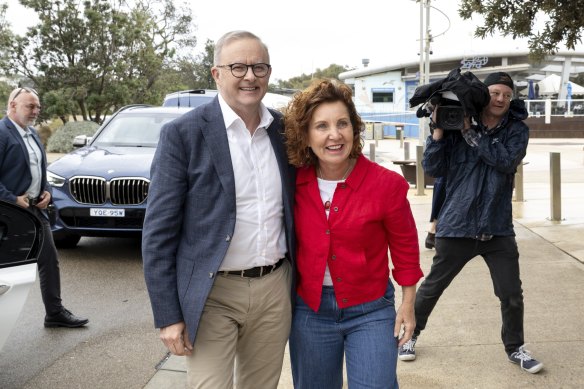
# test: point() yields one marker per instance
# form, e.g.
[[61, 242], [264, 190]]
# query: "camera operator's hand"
[[466, 125], [437, 133]]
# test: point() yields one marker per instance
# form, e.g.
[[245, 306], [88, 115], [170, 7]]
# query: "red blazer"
[[369, 214]]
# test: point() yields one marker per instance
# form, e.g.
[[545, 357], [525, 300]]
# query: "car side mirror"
[[81, 140]]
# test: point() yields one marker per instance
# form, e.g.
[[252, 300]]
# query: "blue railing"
[[389, 120]]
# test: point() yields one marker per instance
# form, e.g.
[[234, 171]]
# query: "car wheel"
[[67, 241]]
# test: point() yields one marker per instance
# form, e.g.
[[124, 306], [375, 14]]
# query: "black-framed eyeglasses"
[[239, 70], [26, 89]]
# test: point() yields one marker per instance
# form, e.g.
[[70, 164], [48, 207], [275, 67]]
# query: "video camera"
[[449, 112], [455, 97]]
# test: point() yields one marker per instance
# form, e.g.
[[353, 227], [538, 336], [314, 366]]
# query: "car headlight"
[[55, 180]]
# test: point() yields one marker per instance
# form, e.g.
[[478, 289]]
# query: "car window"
[[137, 130], [20, 235]]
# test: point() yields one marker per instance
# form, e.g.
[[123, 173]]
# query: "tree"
[[517, 18], [304, 80], [202, 67], [100, 54]]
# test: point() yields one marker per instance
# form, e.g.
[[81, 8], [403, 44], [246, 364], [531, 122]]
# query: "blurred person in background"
[[23, 181]]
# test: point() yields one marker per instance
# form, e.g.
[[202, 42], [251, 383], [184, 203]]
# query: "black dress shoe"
[[65, 319], [430, 240]]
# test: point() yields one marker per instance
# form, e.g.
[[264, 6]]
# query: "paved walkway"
[[461, 347]]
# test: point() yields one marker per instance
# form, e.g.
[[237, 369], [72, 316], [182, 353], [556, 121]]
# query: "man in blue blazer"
[[218, 242], [23, 181]]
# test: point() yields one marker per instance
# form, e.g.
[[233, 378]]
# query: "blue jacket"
[[190, 217], [15, 176], [479, 184]]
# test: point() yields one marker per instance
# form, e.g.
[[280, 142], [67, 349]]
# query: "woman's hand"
[[405, 318]]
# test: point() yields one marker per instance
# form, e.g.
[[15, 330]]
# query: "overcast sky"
[[303, 35]]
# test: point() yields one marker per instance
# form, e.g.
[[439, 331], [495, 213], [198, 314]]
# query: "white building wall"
[[364, 92]]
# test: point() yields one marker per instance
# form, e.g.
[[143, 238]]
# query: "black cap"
[[499, 78]]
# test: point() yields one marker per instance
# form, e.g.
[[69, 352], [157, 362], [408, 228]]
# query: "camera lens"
[[450, 117]]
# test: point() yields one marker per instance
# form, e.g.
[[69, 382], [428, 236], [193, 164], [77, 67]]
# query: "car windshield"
[[134, 129]]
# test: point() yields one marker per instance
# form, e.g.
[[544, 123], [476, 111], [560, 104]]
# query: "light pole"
[[424, 78]]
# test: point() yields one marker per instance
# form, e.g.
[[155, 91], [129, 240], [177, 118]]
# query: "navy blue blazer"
[[190, 216], [15, 177]]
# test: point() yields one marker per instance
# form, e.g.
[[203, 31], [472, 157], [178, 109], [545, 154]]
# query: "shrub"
[[62, 140], [45, 133]]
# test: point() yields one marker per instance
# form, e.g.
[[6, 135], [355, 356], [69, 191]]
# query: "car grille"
[[88, 190], [119, 191], [128, 191]]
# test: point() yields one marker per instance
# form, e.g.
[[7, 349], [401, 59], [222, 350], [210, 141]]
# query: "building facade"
[[382, 93]]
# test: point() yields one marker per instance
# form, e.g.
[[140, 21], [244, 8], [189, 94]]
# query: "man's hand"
[[22, 201], [438, 133], [176, 338], [45, 198]]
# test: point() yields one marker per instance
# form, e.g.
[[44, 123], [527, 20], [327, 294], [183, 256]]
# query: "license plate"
[[107, 212]]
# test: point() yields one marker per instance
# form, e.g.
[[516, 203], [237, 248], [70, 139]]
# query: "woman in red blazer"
[[349, 212]]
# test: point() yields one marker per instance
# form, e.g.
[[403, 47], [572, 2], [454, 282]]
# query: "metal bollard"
[[406, 151], [420, 184], [555, 187], [399, 134], [519, 183], [372, 152]]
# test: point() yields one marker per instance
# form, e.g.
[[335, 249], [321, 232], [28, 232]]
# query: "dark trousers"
[[48, 265], [502, 258]]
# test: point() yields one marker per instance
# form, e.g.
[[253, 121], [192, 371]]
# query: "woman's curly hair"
[[298, 114]]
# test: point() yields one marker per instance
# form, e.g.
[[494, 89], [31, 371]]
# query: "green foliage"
[[516, 18], [5, 90], [45, 133], [62, 140], [59, 103], [304, 80], [94, 56], [188, 72]]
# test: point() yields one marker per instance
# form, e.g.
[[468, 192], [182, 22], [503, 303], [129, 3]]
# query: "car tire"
[[67, 241]]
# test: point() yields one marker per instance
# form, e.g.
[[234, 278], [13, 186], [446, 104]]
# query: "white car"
[[195, 97], [21, 236]]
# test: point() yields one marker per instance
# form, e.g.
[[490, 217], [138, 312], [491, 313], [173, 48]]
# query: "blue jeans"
[[362, 333]]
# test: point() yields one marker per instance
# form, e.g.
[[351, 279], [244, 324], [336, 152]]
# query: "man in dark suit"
[[23, 181], [218, 234]]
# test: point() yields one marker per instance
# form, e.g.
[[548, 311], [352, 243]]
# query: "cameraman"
[[476, 218]]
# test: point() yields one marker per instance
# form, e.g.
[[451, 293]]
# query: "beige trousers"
[[245, 324]]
